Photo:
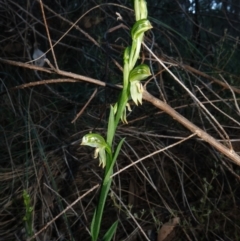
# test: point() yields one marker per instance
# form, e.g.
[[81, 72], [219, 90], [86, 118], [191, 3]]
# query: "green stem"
[[135, 54], [99, 210]]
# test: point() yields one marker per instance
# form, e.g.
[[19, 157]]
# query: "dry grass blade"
[[167, 230]]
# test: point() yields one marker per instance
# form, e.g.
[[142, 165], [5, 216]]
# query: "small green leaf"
[[111, 231], [140, 27], [93, 230], [110, 170]]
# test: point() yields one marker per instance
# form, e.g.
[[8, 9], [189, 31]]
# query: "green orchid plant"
[[28, 219], [132, 89]]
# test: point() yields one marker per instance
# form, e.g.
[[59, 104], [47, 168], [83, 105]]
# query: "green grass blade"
[[111, 231]]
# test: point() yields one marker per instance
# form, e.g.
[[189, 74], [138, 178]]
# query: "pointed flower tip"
[[136, 92]]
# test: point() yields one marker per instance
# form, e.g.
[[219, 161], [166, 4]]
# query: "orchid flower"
[[139, 73], [97, 141]]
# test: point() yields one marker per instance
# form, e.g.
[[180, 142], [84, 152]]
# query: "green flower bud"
[[140, 27], [139, 73]]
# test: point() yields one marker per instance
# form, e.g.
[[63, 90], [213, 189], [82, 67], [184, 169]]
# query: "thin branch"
[[48, 34], [193, 128], [85, 106]]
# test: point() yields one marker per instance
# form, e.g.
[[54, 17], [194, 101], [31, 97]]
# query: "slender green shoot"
[[28, 214], [132, 89]]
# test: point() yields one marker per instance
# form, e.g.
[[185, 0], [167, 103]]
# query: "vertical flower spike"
[[132, 88], [97, 141], [140, 7]]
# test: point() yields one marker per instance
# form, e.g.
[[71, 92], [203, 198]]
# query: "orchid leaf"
[[111, 231], [110, 171]]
